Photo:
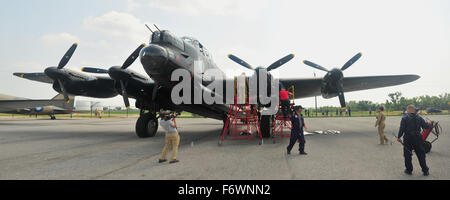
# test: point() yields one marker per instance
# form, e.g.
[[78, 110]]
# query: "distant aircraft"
[[167, 53], [50, 107], [433, 110]]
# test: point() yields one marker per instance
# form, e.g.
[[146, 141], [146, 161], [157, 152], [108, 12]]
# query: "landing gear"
[[266, 125], [147, 125]]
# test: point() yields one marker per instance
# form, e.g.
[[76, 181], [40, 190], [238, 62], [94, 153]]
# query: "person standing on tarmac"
[[298, 123], [172, 137], [381, 125], [410, 130]]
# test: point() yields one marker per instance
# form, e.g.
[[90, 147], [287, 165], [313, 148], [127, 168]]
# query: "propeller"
[[337, 75], [124, 66], [65, 59], [66, 97], [62, 63], [271, 67], [124, 95]]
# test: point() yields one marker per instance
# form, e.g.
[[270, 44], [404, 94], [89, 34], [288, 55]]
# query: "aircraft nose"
[[153, 56]]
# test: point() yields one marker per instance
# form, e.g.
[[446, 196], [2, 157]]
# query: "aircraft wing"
[[38, 76], [310, 87]]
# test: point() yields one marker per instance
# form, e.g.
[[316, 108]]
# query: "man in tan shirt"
[[172, 137], [381, 125]]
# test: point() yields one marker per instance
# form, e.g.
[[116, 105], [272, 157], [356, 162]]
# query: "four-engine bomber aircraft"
[[167, 53], [50, 107]]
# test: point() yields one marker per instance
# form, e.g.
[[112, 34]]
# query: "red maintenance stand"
[[282, 127], [242, 123]]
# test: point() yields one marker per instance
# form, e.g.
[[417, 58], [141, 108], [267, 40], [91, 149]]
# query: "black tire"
[[427, 146], [265, 126], [146, 126]]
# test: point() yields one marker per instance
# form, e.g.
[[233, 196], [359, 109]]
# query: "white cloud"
[[58, 39], [244, 9], [132, 5], [118, 26]]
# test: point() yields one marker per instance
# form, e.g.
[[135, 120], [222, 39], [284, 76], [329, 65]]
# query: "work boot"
[[174, 161], [303, 153], [288, 152], [426, 173], [408, 172], [162, 160]]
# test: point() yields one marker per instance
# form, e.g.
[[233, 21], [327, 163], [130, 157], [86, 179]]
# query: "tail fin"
[[65, 105], [58, 97], [71, 103]]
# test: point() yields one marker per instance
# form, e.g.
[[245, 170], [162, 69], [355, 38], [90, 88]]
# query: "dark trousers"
[[294, 137], [414, 143], [285, 104]]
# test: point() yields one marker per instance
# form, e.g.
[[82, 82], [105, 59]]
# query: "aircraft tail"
[[66, 105]]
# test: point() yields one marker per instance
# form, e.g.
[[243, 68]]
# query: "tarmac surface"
[[109, 149]]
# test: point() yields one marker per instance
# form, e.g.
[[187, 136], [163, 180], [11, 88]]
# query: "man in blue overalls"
[[410, 130], [298, 123]]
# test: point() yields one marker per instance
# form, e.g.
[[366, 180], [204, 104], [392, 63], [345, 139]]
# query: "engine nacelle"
[[331, 83], [99, 88]]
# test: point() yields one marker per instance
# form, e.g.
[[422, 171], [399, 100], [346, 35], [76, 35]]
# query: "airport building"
[[87, 105]]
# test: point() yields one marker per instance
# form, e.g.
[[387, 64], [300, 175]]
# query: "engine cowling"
[[331, 83]]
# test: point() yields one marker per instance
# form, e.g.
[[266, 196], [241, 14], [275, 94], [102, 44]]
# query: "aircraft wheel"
[[265, 125], [146, 126], [427, 145]]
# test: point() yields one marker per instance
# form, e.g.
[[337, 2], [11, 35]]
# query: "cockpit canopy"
[[168, 38], [197, 44]]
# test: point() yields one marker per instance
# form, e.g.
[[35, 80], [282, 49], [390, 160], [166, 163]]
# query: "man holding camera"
[[172, 137]]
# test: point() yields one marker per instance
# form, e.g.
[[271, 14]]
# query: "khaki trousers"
[[383, 137], [172, 140]]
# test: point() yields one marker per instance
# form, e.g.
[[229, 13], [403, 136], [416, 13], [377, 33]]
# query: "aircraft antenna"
[[156, 27], [148, 28]]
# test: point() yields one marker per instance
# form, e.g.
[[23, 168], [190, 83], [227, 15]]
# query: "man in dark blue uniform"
[[298, 123], [410, 130]]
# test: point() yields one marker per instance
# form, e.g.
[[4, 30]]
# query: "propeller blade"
[[155, 92], [341, 97], [125, 95], [65, 59], [280, 62], [351, 61], [314, 65], [66, 97], [94, 70], [240, 61], [133, 56], [342, 100]]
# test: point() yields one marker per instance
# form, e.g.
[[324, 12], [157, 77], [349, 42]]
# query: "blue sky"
[[396, 37]]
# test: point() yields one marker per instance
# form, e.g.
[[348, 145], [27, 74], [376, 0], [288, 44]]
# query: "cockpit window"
[[171, 39], [197, 44]]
